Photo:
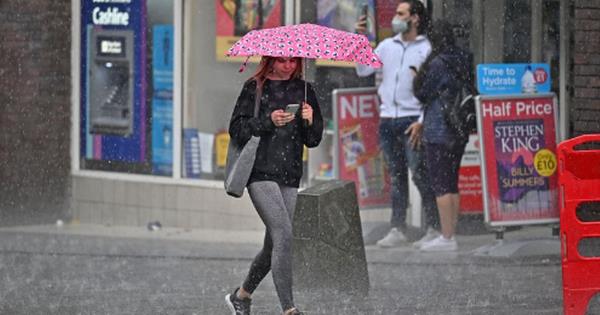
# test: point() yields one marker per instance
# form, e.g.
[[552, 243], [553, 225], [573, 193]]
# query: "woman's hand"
[[307, 113], [414, 132], [281, 118]]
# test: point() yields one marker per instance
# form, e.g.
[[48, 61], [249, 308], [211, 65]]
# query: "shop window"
[[126, 86], [517, 31], [212, 81], [551, 39]]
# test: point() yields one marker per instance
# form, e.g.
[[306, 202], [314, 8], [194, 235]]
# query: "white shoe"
[[429, 235], [440, 244], [394, 238]]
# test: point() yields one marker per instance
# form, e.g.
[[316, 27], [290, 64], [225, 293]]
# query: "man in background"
[[401, 116]]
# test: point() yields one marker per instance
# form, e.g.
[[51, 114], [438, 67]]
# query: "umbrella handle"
[[243, 66], [305, 122], [304, 75]]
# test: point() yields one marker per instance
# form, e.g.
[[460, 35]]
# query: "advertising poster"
[[469, 179], [518, 143], [357, 150], [235, 18], [343, 15], [221, 145], [385, 11], [191, 153], [162, 100], [513, 78]]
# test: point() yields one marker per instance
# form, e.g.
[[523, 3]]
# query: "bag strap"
[[257, 98]]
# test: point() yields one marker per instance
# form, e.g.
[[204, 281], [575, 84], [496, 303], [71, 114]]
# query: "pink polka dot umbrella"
[[306, 41]]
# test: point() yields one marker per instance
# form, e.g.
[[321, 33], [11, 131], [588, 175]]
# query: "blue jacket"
[[440, 83]]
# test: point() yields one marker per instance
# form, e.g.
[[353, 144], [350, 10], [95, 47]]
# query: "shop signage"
[[110, 16], [518, 138], [513, 78], [469, 179], [112, 1], [162, 99], [358, 157]]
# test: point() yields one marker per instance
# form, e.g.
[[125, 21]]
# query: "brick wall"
[[35, 91], [585, 103]]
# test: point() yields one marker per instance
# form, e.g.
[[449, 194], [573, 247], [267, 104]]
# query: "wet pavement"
[[85, 269]]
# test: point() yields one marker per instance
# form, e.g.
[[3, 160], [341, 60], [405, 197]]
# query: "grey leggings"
[[275, 205]]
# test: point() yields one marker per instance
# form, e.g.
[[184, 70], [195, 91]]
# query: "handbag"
[[240, 159]]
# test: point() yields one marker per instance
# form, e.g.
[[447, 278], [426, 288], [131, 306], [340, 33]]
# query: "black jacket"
[[279, 154]]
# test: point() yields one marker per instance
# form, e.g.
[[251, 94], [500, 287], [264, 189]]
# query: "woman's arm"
[[426, 83], [243, 125]]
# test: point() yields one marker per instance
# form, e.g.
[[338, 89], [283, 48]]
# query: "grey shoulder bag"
[[240, 159]]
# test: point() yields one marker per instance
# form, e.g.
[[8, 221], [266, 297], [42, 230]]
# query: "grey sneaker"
[[236, 305]]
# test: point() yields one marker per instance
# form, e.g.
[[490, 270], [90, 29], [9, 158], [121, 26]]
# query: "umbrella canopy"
[[306, 41]]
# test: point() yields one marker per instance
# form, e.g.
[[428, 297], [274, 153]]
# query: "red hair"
[[266, 66]]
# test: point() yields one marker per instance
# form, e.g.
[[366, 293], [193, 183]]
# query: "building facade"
[[35, 111], [115, 111]]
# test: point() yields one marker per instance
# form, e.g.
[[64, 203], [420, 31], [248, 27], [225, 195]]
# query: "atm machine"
[[111, 82]]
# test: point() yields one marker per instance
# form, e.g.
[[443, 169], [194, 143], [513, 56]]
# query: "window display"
[[126, 86]]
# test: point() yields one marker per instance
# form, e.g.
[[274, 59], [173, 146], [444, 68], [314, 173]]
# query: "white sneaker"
[[394, 238], [429, 235], [440, 244]]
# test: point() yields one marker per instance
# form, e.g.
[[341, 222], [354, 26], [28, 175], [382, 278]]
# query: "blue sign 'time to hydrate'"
[[513, 78]]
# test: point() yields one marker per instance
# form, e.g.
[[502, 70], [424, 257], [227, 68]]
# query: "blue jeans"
[[399, 156]]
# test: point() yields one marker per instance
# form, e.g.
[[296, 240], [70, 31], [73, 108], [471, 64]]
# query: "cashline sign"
[[114, 111], [110, 16]]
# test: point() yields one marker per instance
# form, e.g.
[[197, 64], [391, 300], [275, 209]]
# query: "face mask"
[[399, 25]]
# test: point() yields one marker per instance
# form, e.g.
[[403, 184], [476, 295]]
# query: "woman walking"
[[276, 174]]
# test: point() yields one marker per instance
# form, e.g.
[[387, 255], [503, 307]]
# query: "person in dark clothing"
[[437, 84], [276, 174]]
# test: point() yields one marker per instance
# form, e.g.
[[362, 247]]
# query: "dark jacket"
[[279, 155], [442, 77]]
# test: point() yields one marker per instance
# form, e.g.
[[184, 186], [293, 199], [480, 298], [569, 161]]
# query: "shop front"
[[153, 92]]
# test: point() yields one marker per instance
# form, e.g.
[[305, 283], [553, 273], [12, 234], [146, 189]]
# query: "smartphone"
[[292, 108], [363, 17], [364, 9]]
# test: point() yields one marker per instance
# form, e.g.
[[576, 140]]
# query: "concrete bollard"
[[329, 252]]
